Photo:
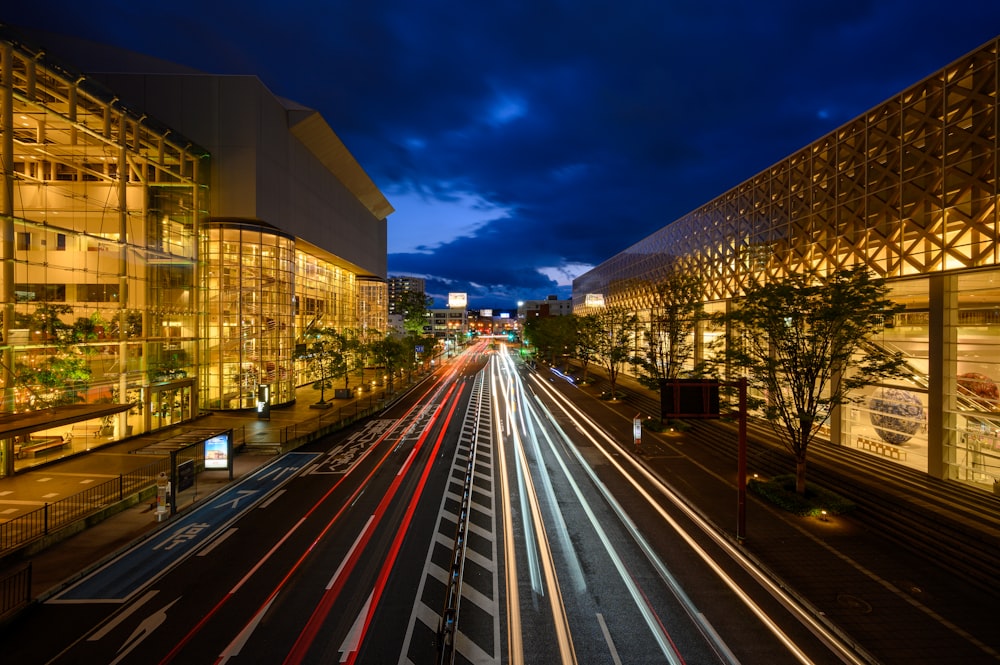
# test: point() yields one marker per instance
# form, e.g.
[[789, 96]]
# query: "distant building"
[[449, 323], [492, 321], [551, 306], [398, 286]]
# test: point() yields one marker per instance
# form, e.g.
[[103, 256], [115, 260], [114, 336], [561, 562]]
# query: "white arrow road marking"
[[353, 637], [143, 630], [111, 625], [234, 647]]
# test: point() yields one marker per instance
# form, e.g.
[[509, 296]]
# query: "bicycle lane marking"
[[125, 575]]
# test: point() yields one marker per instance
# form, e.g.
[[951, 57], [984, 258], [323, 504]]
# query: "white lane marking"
[[111, 625], [607, 638], [272, 498], [236, 646], [205, 551], [350, 553]]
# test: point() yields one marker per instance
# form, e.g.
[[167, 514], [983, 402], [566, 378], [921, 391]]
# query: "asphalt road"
[[345, 551]]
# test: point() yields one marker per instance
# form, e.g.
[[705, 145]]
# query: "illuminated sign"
[[457, 300], [486, 313], [504, 315], [594, 300], [217, 452]]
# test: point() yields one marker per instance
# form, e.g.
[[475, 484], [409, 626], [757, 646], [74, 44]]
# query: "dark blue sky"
[[522, 142]]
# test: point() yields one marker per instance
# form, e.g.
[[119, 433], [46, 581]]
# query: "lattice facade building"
[[909, 190]]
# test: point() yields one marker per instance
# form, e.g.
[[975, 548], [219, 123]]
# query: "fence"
[[326, 420], [15, 591], [52, 516]]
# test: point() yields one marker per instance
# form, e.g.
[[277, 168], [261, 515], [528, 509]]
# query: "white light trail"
[[817, 628]]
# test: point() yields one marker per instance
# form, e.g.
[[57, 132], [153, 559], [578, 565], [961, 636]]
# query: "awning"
[[23, 424], [178, 442]]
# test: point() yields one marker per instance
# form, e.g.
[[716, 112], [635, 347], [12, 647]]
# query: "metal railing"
[[52, 516], [15, 591]]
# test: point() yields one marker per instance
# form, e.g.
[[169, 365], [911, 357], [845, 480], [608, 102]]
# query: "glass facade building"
[[137, 266], [100, 215], [908, 190]]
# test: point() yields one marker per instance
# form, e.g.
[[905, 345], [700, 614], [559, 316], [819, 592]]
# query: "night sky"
[[522, 143]]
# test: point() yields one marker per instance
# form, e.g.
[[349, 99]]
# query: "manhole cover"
[[854, 603]]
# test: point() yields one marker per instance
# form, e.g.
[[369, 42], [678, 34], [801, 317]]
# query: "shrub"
[[780, 491]]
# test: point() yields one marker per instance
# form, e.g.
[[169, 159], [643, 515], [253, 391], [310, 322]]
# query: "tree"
[[325, 351], [673, 318], [805, 346], [390, 352], [554, 336], [616, 330], [58, 373], [414, 306], [588, 332], [361, 350]]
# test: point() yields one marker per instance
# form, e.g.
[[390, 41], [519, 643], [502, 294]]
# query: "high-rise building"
[[402, 285]]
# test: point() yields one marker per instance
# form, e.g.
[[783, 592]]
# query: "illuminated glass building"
[[909, 190], [168, 264]]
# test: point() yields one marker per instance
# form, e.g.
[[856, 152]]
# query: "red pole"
[[741, 464]]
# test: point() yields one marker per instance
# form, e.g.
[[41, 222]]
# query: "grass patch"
[[654, 425], [780, 491]]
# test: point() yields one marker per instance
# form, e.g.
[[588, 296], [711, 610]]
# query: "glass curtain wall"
[[326, 297], [249, 337], [99, 228]]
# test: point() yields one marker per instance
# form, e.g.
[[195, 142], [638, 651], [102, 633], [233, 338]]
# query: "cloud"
[[523, 140], [426, 221]]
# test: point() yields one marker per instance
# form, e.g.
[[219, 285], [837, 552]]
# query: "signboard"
[[185, 475], [457, 300], [217, 452], [486, 313], [263, 402], [594, 300], [504, 315], [689, 398]]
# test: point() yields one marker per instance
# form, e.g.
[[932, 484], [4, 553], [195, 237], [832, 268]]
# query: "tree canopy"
[[414, 306], [614, 338], [806, 345], [669, 334]]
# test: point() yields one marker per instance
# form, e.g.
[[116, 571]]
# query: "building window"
[[23, 240], [97, 292], [40, 292], [61, 242]]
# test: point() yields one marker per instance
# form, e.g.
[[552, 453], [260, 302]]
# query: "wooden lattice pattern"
[[908, 188]]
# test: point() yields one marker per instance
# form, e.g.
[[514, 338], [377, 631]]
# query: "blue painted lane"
[[125, 575]]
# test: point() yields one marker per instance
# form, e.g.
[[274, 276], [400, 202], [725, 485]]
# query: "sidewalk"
[[72, 549]]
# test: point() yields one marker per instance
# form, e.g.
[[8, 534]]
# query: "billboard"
[[457, 300], [486, 313], [689, 398], [594, 300], [217, 452]]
